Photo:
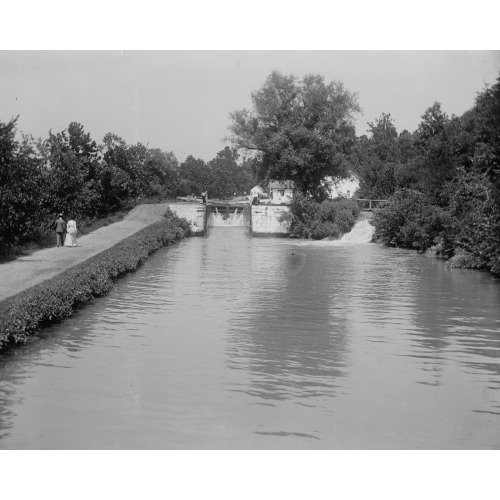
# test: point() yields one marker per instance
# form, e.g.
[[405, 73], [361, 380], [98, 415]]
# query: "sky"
[[180, 100]]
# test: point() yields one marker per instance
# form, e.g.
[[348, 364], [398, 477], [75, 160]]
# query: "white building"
[[256, 191], [280, 192], [344, 188]]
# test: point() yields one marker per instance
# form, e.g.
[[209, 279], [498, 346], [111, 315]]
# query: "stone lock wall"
[[265, 220], [194, 213]]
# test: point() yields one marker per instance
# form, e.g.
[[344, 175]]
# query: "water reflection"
[[233, 342], [293, 342]]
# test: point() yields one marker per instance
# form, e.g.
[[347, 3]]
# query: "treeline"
[[223, 177], [442, 182], [69, 172]]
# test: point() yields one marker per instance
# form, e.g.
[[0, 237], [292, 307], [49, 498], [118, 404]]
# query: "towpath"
[[25, 272]]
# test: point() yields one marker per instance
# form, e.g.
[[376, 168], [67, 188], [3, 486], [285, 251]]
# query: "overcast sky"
[[180, 100]]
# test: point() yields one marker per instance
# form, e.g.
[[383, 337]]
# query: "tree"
[[487, 125], [434, 160], [162, 170], [384, 139], [476, 216], [223, 173], [23, 188], [301, 130], [194, 176], [377, 159], [72, 168], [131, 172]]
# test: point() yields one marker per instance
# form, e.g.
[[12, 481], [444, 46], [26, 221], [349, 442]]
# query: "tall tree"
[[23, 188], [434, 161], [377, 159], [131, 172], [302, 130], [384, 139], [224, 172], [72, 165], [162, 169], [487, 154], [195, 176]]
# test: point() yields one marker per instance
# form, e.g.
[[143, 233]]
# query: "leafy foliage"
[[446, 187], [476, 237], [23, 190], [300, 130], [381, 160], [328, 219], [221, 177], [409, 220], [70, 173]]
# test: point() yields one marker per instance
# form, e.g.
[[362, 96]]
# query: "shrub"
[[475, 213], [329, 219], [465, 260], [409, 220], [55, 299], [327, 229]]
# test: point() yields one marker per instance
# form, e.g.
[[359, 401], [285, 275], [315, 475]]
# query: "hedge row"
[[55, 299]]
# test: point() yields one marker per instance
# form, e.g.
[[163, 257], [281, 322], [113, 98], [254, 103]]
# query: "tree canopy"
[[301, 130], [442, 182]]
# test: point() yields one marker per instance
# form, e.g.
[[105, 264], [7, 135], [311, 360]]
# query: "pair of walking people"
[[65, 232]]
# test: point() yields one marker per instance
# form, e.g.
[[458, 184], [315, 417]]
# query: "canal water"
[[229, 342]]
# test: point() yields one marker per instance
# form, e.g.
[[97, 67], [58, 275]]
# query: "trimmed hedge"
[[54, 299]]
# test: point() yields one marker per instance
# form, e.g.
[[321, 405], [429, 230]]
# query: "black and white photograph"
[[272, 250]]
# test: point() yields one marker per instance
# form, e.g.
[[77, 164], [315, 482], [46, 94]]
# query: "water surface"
[[238, 343]]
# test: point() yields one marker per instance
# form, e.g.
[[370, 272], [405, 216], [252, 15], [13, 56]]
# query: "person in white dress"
[[71, 231]]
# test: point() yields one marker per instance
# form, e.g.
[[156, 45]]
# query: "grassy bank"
[[55, 299]]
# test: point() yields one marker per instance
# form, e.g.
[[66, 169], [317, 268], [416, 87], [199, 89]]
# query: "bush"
[[409, 220], [475, 213], [465, 260], [55, 299], [322, 230], [329, 219]]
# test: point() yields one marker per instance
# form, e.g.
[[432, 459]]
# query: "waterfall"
[[362, 232], [234, 219]]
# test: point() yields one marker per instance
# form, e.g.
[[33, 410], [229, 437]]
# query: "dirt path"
[[27, 271]]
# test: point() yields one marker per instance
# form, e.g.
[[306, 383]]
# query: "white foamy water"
[[218, 219], [362, 232]]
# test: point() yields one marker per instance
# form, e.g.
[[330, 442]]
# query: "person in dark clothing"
[[60, 227]]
